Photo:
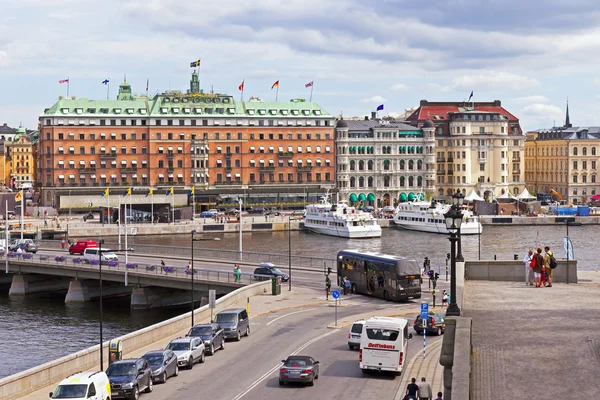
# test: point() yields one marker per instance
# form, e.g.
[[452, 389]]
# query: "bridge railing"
[[169, 271], [317, 263]]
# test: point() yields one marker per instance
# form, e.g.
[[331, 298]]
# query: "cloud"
[[374, 99], [399, 87], [492, 81], [530, 99], [596, 81], [543, 110]]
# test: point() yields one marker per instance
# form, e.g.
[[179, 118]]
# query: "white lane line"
[[276, 367], [285, 315]]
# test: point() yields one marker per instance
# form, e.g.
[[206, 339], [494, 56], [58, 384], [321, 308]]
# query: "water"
[[38, 328]]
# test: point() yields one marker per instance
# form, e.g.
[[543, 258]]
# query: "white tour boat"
[[340, 220], [420, 216]]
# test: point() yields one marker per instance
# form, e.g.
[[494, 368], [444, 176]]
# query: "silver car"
[[189, 350], [163, 364], [300, 369], [355, 334], [212, 335]]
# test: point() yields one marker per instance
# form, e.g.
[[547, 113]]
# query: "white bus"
[[383, 344]]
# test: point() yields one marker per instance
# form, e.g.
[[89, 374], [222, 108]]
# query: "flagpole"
[[22, 212], [68, 83], [152, 207], [277, 92], [107, 89], [311, 90]]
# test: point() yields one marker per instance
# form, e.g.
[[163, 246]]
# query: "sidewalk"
[[428, 367]]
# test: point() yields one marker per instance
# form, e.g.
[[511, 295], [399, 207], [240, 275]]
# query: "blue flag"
[[105, 82], [471, 96], [380, 107]]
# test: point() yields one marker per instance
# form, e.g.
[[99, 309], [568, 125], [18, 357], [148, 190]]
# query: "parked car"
[[87, 216], [369, 209], [235, 323], [270, 270], [232, 212], [436, 324], [355, 334], [163, 364], [209, 213], [83, 386], [25, 244], [299, 214], [301, 369], [91, 253], [79, 246], [128, 378], [189, 350], [387, 209], [256, 210], [273, 211], [11, 215], [212, 334]]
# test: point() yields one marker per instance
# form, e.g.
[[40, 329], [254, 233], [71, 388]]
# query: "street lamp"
[[458, 200], [453, 219], [192, 272], [290, 252], [240, 222], [100, 243]]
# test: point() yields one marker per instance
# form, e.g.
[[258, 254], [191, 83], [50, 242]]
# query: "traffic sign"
[[335, 294], [424, 311]]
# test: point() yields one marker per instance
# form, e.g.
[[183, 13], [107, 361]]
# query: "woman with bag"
[[537, 264]]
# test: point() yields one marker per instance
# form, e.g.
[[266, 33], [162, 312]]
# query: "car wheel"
[[351, 347], [164, 377], [211, 349], [203, 357], [176, 370], [70, 252], [190, 363], [136, 393], [150, 388], [247, 331], [238, 337], [440, 331], [281, 383], [311, 383]]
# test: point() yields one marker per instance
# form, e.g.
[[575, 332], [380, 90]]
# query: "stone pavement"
[[535, 343], [428, 367]]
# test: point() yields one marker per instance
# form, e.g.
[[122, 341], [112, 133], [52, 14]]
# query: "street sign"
[[134, 231], [335, 294], [212, 298], [424, 311]]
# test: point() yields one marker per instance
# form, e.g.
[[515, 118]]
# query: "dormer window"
[[273, 112], [117, 111], [250, 112], [143, 111], [295, 112], [231, 110], [65, 110], [262, 112], [79, 110], [317, 112], [129, 111], [186, 110], [163, 110], [306, 112], [284, 112], [175, 110], [198, 110]]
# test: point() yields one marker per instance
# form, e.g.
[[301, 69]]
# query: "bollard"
[[516, 257], [494, 257], [433, 298]]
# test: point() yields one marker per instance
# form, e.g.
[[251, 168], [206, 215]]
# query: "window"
[[161, 163], [61, 136], [81, 149]]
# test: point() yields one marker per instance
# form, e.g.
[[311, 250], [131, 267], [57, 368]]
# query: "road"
[[249, 369]]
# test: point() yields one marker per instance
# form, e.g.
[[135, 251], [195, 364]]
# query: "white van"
[[83, 386], [91, 253], [383, 344]]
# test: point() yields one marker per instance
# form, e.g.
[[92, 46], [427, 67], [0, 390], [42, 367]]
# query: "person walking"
[[424, 390], [237, 273], [547, 257], [444, 299], [439, 396], [412, 390], [62, 244], [528, 271], [162, 266], [537, 265], [19, 253], [347, 285]]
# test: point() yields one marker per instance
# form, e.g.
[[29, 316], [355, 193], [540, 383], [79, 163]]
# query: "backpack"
[[553, 263]]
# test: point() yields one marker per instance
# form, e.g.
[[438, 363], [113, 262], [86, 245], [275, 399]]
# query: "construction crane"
[[554, 192]]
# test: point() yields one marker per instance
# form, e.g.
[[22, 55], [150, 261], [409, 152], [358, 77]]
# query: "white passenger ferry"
[[340, 220], [420, 216]]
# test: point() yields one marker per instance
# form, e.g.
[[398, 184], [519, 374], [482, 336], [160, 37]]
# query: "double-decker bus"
[[381, 275]]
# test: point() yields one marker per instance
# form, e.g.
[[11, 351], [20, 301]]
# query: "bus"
[[383, 344], [380, 275]]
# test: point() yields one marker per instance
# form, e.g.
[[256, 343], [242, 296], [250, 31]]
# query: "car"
[[79, 246], [232, 212], [387, 209], [270, 270], [436, 324], [83, 386], [212, 334], [11, 215], [301, 369], [91, 253], [128, 378], [368, 209], [273, 211], [256, 210], [355, 334], [189, 350], [163, 364], [298, 214], [235, 323], [209, 213], [87, 216], [27, 245]]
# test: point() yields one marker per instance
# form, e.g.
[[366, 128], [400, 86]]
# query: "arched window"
[[419, 181], [352, 181], [361, 181], [411, 181], [402, 181], [440, 192], [361, 165], [386, 165], [420, 164], [389, 149], [574, 151], [449, 192], [352, 165], [370, 181], [370, 165], [411, 164], [584, 151], [386, 181], [402, 164]]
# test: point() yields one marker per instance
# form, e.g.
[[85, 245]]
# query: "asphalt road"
[[248, 369]]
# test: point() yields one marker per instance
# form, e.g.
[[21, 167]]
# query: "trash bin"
[[275, 286], [115, 351]]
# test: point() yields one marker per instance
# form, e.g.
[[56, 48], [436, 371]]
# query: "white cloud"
[[398, 87], [530, 99], [543, 110], [374, 99], [596, 81], [493, 81], [3, 58]]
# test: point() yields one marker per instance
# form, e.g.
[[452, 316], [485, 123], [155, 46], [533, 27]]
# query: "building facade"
[[479, 147], [261, 151], [381, 163], [21, 160]]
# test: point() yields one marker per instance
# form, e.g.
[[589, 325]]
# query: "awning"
[[179, 148], [123, 162], [228, 175], [271, 148], [103, 176], [371, 197], [93, 176], [81, 176], [113, 148], [144, 175], [170, 175], [180, 175], [61, 177], [402, 197], [362, 197], [71, 148], [411, 196], [219, 149], [237, 175], [352, 197], [134, 176], [123, 176], [113, 176], [252, 148], [133, 162], [170, 148], [102, 148], [81, 162], [160, 148], [161, 175], [93, 162]]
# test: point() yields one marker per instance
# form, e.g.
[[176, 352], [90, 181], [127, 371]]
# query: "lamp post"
[[100, 243], [192, 271], [453, 219], [460, 199], [290, 252], [240, 222]]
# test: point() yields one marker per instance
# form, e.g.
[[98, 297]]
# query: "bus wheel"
[[353, 289]]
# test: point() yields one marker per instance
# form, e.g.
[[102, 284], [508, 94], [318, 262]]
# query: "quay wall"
[[36, 378], [514, 271], [507, 220]]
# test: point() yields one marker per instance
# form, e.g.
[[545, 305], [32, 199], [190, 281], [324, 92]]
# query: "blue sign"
[[424, 311], [335, 294]]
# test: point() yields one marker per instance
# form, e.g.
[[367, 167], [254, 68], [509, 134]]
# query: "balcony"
[[287, 154], [266, 168], [304, 168], [170, 169], [441, 159], [516, 171], [87, 170], [108, 155], [228, 155], [127, 169], [443, 172], [516, 159], [450, 172], [170, 155], [481, 159], [450, 159], [228, 169]]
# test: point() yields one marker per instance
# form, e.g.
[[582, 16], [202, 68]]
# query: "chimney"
[[366, 117], [423, 103], [373, 115]]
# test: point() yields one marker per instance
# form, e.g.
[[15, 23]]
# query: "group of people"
[[421, 391], [538, 267]]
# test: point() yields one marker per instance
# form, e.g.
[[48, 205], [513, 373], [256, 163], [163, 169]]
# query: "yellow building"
[[20, 159]]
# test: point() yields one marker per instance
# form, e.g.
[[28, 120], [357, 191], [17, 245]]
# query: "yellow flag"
[[19, 196]]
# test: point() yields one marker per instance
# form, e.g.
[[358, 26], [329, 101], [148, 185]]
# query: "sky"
[[532, 55]]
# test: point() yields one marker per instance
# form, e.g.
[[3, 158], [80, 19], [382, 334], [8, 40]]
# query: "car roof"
[[360, 321], [266, 264], [305, 358], [182, 339], [126, 361], [80, 377], [155, 352], [210, 324], [232, 311]]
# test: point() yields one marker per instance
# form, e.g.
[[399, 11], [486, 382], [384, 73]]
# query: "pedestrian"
[[412, 390], [528, 271], [347, 285], [425, 390], [19, 253], [444, 299], [380, 280], [162, 266], [537, 265], [439, 396], [238, 274], [62, 244], [189, 267], [425, 267], [547, 257]]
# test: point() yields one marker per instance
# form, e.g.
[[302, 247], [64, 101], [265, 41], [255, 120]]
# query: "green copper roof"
[[20, 129]]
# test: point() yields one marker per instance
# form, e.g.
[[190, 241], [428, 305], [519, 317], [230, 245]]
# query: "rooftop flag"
[[195, 63], [471, 96], [276, 84], [309, 84], [64, 80], [241, 87], [380, 107], [105, 82]]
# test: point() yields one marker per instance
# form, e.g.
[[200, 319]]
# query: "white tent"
[[506, 196], [526, 195], [473, 196]]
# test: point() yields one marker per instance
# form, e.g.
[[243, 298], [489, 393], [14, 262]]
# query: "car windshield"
[[357, 328], [201, 331], [154, 359], [108, 253], [296, 362], [121, 370], [226, 317], [70, 392], [382, 334], [179, 346], [276, 271]]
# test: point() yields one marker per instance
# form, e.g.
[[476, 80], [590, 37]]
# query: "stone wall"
[[506, 270]]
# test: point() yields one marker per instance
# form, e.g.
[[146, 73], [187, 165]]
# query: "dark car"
[[301, 369], [25, 244], [436, 324], [211, 334], [128, 378], [163, 364], [256, 210], [269, 269]]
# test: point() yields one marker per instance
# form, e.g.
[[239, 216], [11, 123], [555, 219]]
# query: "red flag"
[[276, 84], [309, 84], [241, 87], [64, 81]]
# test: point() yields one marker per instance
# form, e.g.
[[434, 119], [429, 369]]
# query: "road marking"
[[276, 367], [285, 315]]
